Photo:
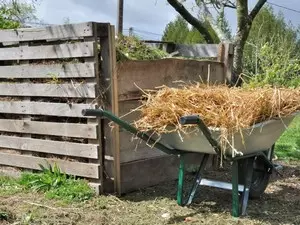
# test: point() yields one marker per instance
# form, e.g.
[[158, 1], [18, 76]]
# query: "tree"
[[270, 28], [273, 44], [14, 14], [244, 22], [223, 24], [177, 31]]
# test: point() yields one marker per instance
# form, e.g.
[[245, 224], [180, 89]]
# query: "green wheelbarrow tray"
[[251, 169]]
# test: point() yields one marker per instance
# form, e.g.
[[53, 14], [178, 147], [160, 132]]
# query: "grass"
[[288, 145], [51, 182], [157, 205]]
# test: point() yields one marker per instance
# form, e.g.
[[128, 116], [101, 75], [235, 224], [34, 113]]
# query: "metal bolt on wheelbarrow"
[[250, 171]]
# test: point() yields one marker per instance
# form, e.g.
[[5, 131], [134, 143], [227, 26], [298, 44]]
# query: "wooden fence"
[[138, 162], [47, 77]]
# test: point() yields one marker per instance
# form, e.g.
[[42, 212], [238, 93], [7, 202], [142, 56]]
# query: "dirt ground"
[[157, 205]]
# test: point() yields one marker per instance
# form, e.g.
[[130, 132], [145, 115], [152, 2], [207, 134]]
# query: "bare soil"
[[157, 205]]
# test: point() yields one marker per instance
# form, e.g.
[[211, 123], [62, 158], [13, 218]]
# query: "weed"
[[131, 48], [57, 185]]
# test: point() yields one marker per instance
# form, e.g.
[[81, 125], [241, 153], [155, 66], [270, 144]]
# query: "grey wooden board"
[[52, 71], [30, 162], [71, 50], [49, 128], [56, 32], [44, 108], [152, 171], [48, 146], [76, 90], [197, 50], [133, 149]]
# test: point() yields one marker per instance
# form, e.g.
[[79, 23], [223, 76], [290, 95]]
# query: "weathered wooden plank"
[[56, 32], [71, 50], [153, 171], [31, 162], [67, 70], [44, 108], [74, 90], [48, 146], [134, 75], [133, 150], [49, 128], [197, 50]]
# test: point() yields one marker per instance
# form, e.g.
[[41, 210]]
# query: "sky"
[[148, 18]]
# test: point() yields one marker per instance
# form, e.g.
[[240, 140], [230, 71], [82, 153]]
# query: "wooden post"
[[100, 161], [225, 56], [108, 53]]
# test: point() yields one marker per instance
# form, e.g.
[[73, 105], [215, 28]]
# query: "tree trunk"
[[192, 20], [240, 42]]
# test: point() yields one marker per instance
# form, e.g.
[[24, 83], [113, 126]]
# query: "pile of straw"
[[230, 109]]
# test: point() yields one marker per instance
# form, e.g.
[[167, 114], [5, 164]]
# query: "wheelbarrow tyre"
[[260, 177], [259, 184]]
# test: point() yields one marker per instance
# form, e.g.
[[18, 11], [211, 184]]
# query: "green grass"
[[52, 182], [288, 145], [9, 186]]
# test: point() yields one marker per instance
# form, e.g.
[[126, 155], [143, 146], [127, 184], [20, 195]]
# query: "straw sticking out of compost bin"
[[230, 109]]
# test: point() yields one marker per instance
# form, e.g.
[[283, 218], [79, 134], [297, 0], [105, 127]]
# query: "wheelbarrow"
[[250, 155]]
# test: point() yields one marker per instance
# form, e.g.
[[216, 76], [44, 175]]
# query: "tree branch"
[[191, 19], [256, 9]]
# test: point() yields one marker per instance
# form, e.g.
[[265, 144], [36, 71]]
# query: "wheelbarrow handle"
[[92, 112], [192, 119], [195, 119]]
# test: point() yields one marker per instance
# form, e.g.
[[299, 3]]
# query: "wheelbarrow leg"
[[235, 189], [247, 184], [198, 178], [180, 181]]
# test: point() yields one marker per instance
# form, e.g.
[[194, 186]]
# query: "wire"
[[283, 7]]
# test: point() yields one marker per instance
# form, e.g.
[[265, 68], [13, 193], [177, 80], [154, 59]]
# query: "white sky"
[[147, 17]]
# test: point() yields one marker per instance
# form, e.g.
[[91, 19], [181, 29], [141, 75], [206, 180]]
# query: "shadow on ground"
[[279, 205]]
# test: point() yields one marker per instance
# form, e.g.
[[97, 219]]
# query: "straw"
[[230, 109]]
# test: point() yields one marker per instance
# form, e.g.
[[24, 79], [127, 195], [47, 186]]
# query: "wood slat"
[[67, 31], [76, 90], [49, 128], [68, 70], [48, 146], [30, 162], [44, 108], [71, 50], [197, 50]]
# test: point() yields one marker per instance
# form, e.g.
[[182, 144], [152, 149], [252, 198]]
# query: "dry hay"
[[230, 109]]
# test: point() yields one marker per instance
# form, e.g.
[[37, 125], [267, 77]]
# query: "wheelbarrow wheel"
[[260, 177]]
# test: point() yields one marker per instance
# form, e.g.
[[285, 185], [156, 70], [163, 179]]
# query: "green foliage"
[[193, 37], [8, 186], [49, 178], [278, 68], [56, 184], [6, 21], [223, 24], [178, 31], [15, 13], [131, 48], [274, 44], [71, 190]]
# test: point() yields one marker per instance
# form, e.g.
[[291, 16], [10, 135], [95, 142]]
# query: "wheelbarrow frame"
[[243, 163]]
